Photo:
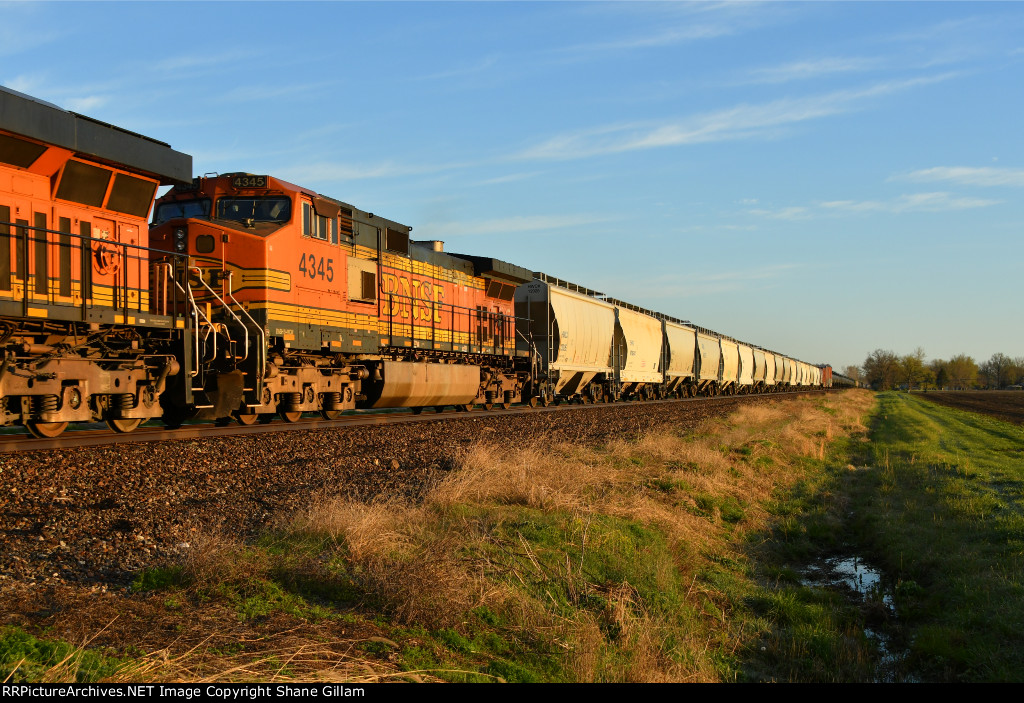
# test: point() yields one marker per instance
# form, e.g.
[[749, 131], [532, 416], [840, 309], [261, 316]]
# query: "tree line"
[[884, 370]]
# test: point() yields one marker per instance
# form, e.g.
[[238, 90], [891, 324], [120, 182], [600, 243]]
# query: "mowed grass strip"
[[941, 508], [634, 562]]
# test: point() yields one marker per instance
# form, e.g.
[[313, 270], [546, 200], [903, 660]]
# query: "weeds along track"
[[95, 515]]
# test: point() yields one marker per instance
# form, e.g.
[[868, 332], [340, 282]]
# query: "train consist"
[[249, 298]]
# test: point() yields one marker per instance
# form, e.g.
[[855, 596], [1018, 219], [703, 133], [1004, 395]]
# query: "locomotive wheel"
[[330, 414], [123, 426], [488, 406], [290, 415], [534, 402], [246, 418], [45, 430]]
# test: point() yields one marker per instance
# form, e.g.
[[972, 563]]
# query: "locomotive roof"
[[45, 122]]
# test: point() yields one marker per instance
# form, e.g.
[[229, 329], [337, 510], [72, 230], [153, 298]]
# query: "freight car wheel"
[[488, 406], [246, 418], [467, 408], [506, 406], [266, 419], [290, 415], [438, 408], [330, 414], [417, 410], [123, 426], [534, 402], [45, 430]]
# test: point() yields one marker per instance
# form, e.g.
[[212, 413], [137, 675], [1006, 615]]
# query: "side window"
[[308, 219], [318, 226]]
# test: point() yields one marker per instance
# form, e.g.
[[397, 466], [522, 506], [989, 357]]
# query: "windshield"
[[182, 208], [255, 209]]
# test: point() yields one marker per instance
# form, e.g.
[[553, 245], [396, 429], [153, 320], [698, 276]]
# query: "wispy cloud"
[[21, 32], [196, 61], [907, 203], [248, 93], [740, 122], [673, 286], [655, 25], [786, 213], [331, 172], [508, 225], [967, 175], [510, 178], [917, 202], [465, 71], [664, 37], [85, 104], [805, 70]]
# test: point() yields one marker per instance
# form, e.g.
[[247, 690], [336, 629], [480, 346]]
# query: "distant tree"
[[963, 372], [912, 370], [939, 372], [996, 371], [881, 369], [1017, 371], [853, 372]]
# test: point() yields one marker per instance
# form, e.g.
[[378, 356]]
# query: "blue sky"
[[822, 179]]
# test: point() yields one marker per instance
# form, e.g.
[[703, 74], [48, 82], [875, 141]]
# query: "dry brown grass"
[[407, 562], [425, 563], [408, 555]]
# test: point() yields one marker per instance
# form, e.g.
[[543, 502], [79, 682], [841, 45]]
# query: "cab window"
[[318, 226]]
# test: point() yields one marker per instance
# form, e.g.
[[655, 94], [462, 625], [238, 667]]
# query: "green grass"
[[941, 509], [27, 659]]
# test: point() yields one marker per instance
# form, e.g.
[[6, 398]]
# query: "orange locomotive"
[[304, 303], [78, 340]]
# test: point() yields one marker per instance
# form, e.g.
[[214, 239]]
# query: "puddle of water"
[[865, 585]]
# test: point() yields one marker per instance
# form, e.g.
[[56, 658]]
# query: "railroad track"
[[99, 435]]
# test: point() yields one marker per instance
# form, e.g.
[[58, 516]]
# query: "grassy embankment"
[[674, 557], [942, 513]]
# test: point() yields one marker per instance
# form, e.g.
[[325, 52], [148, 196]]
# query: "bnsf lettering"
[[419, 300], [315, 268]]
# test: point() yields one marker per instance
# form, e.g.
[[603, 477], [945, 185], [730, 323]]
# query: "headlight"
[[179, 234], [179, 245]]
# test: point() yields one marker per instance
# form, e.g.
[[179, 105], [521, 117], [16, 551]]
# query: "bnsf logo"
[[411, 298]]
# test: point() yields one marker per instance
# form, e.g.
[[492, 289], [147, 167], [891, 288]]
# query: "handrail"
[[261, 362], [196, 313], [199, 274]]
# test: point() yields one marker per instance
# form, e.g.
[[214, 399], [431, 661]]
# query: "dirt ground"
[[1005, 405]]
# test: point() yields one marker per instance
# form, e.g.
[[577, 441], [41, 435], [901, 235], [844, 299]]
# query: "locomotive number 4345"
[[315, 268]]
